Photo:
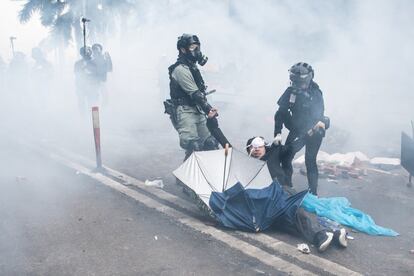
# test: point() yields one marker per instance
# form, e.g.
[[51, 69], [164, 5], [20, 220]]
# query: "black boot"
[[313, 183]]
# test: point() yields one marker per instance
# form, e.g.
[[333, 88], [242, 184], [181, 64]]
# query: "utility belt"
[[182, 101], [170, 108]]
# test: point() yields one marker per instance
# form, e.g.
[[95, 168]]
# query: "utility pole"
[[12, 39]]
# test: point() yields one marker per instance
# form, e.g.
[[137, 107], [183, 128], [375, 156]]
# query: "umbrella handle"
[[226, 152], [226, 149]]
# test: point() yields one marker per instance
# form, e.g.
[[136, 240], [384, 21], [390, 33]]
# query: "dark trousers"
[[312, 145], [308, 225]]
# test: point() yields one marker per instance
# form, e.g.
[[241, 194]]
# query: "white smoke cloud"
[[360, 50]]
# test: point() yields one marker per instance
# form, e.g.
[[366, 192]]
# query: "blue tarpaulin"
[[254, 209], [339, 209]]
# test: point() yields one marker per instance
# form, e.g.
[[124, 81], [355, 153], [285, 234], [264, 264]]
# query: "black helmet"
[[97, 47], [301, 74], [86, 54], [186, 40]]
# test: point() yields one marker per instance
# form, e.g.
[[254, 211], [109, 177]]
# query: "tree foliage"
[[63, 17]]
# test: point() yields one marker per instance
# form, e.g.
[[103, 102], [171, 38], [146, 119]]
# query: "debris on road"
[[349, 165], [385, 163], [156, 238], [304, 248], [155, 183], [333, 180], [350, 237]]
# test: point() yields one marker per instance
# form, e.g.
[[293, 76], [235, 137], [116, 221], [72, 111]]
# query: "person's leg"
[[287, 159], [313, 144], [274, 159], [338, 230], [308, 225], [82, 102], [187, 130]]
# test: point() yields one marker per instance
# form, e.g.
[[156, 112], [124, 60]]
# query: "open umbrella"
[[238, 189]]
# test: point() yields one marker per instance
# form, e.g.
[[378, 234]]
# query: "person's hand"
[[212, 113], [319, 125], [278, 139]]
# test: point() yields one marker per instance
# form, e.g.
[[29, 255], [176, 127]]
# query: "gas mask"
[[301, 75], [197, 56]]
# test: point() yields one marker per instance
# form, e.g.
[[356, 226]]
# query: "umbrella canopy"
[[238, 189], [205, 172]]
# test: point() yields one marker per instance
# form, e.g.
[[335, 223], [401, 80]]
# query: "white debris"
[[385, 161], [155, 183], [304, 248], [342, 159]]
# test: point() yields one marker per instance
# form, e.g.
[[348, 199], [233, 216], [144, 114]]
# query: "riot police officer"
[[102, 60], [86, 80], [189, 105], [301, 109]]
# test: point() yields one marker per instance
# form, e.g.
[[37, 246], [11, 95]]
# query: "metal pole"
[[84, 34], [226, 152], [12, 38], [410, 184], [97, 136], [84, 20]]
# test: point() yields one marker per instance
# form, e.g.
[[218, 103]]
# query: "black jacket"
[[299, 112]]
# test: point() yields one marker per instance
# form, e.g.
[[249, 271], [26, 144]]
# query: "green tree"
[[63, 17]]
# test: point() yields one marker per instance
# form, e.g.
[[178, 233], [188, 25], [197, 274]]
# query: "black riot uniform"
[[301, 107]]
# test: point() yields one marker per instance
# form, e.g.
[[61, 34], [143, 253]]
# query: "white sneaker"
[[340, 237], [324, 239]]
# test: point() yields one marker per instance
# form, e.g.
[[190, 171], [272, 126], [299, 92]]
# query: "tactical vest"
[[303, 108], [176, 92]]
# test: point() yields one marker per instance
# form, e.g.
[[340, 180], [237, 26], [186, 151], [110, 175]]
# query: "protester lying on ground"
[[316, 230]]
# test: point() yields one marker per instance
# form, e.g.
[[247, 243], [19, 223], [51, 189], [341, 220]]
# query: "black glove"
[[326, 121], [212, 123], [200, 99]]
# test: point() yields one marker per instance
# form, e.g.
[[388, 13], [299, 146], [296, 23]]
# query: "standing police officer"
[[86, 80], [189, 105], [301, 109]]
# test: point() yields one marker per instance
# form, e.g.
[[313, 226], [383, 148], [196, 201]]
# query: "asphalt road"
[[57, 222], [54, 221], [385, 197]]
